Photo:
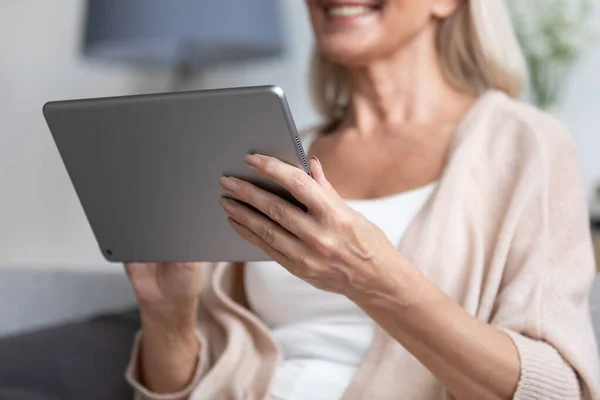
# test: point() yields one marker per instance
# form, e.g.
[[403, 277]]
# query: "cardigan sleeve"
[[542, 302], [235, 354], [142, 393], [202, 367]]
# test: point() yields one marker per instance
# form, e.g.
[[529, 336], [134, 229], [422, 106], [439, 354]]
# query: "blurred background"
[[63, 49]]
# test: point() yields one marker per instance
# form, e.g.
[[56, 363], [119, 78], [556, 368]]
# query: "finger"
[[279, 210], [268, 231], [133, 268], [128, 269], [254, 239], [316, 170], [297, 182]]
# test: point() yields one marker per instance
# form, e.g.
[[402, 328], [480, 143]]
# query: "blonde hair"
[[478, 50]]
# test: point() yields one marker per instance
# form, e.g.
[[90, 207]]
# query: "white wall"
[[41, 221], [581, 111]]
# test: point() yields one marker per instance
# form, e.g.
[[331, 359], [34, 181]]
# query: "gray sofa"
[[65, 335], [34, 300]]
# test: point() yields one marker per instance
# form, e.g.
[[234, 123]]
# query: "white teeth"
[[348, 11]]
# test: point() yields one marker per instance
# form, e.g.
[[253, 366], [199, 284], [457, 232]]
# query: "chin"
[[349, 32], [348, 54], [354, 33]]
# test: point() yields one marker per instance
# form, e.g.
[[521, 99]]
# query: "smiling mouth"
[[350, 10]]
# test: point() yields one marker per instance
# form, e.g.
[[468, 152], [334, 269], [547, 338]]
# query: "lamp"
[[182, 34]]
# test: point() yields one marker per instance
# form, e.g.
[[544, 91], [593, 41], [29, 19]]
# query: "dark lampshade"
[[174, 32]]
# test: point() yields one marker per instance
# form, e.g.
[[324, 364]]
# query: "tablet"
[[146, 168]]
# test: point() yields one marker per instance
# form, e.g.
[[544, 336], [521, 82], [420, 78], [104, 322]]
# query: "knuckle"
[[241, 188], [345, 220], [267, 235], [277, 211], [300, 181], [325, 246], [302, 260], [268, 166], [331, 210], [313, 238]]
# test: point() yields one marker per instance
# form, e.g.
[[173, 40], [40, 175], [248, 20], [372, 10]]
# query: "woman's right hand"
[[168, 295], [162, 287]]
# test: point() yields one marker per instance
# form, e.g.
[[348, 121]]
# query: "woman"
[[486, 295]]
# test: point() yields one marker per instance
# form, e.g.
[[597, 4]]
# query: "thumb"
[[316, 169]]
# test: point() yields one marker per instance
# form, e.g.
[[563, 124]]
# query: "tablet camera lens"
[[109, 252]]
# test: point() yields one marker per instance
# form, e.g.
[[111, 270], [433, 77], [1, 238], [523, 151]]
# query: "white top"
[[323, 336]]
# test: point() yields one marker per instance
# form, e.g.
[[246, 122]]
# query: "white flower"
[[553, 34]]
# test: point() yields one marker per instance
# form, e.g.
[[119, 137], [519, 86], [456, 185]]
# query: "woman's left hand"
[[330, 246]]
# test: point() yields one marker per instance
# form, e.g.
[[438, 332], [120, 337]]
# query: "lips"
[[350, 9]]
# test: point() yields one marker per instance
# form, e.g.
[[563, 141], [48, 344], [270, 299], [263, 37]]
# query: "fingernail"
[[227, 205], [228, 183], [317, 160], [252, 160]]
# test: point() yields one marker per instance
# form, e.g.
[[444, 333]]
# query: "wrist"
[[402, 285], [170, 317], [170, 335], [168, 351]]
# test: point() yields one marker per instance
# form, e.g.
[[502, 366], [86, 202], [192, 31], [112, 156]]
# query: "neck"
[[406, 88]]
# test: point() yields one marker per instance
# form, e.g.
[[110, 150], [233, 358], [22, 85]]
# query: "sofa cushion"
[[34, 298]]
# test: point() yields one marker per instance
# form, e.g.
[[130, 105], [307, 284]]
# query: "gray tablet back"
[[146, 168]]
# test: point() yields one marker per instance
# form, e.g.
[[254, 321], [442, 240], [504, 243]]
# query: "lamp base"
[[183, 74]]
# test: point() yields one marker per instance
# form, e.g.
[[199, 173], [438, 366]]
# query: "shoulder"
[[508, 134], [525, 126], [505, 146]]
